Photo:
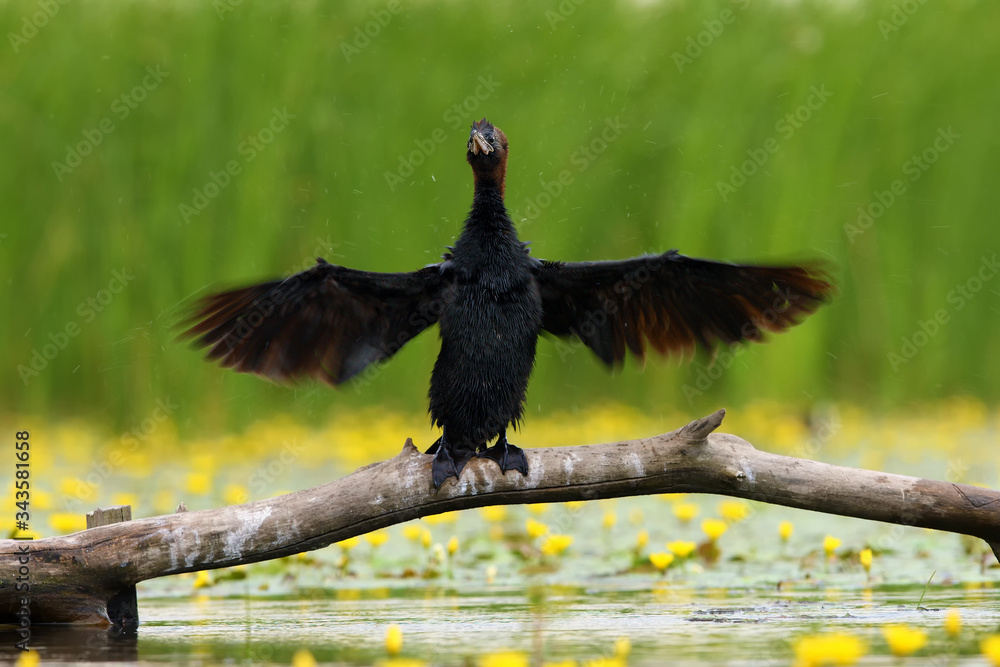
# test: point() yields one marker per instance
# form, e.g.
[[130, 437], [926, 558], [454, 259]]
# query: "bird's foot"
[[507, 456], [447, 462]]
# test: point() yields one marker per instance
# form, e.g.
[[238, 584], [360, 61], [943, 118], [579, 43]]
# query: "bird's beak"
[[479, 143]]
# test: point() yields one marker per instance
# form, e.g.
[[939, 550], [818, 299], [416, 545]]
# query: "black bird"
[[491, 299]]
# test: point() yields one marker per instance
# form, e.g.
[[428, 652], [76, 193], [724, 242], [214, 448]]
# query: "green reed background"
[[551, 75]]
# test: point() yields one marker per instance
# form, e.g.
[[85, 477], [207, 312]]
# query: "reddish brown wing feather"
[[673, 302], [327, 322]]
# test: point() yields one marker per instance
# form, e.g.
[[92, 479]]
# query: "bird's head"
[[487, 151]]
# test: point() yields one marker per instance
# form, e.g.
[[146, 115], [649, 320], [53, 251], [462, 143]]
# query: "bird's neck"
[[488, 210]]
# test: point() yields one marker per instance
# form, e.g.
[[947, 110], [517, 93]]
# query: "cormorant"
[[492, 299]]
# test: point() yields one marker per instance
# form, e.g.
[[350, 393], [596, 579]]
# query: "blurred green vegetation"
[[556, 74]]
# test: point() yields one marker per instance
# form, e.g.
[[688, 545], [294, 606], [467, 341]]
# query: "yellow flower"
[[235, 494], [538, 509], [505, 659], [574, 505], [830, 649], [953, 622], [605, 662], [904, 640], [198, 483], [394, 639], [682, 549], [203, 579], [713, 528], [866, 559], [446, 517], [76, 488], [535, 528], [425, 538], [641, 540], [205, 461], [734, 510], [67, 522], [303, 658], [494, 513], [452, 545], [129, 499], [991, 649], [623, 646], [609, 520], [29, 658], [401, 662], [413, 531], [661, 560], [830, 544], [164, 502], [785, 530], [349, 543], [378, 538], [685, 512], [554, 545]]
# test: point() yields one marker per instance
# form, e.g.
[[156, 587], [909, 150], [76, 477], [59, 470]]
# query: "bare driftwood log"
[[74, 577]]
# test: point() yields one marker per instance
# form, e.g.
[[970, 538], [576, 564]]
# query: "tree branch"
[[74, 576]]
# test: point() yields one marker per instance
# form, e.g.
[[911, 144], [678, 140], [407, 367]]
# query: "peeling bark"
[[74, 577]]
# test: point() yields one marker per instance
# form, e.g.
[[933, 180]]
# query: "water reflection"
[[71, 644], [455, 626]]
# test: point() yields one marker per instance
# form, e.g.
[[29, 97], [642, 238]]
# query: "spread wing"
[[327, 322], [673, 302]]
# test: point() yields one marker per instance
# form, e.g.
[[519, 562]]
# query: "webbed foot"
[[447, 462], [507, 456]]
